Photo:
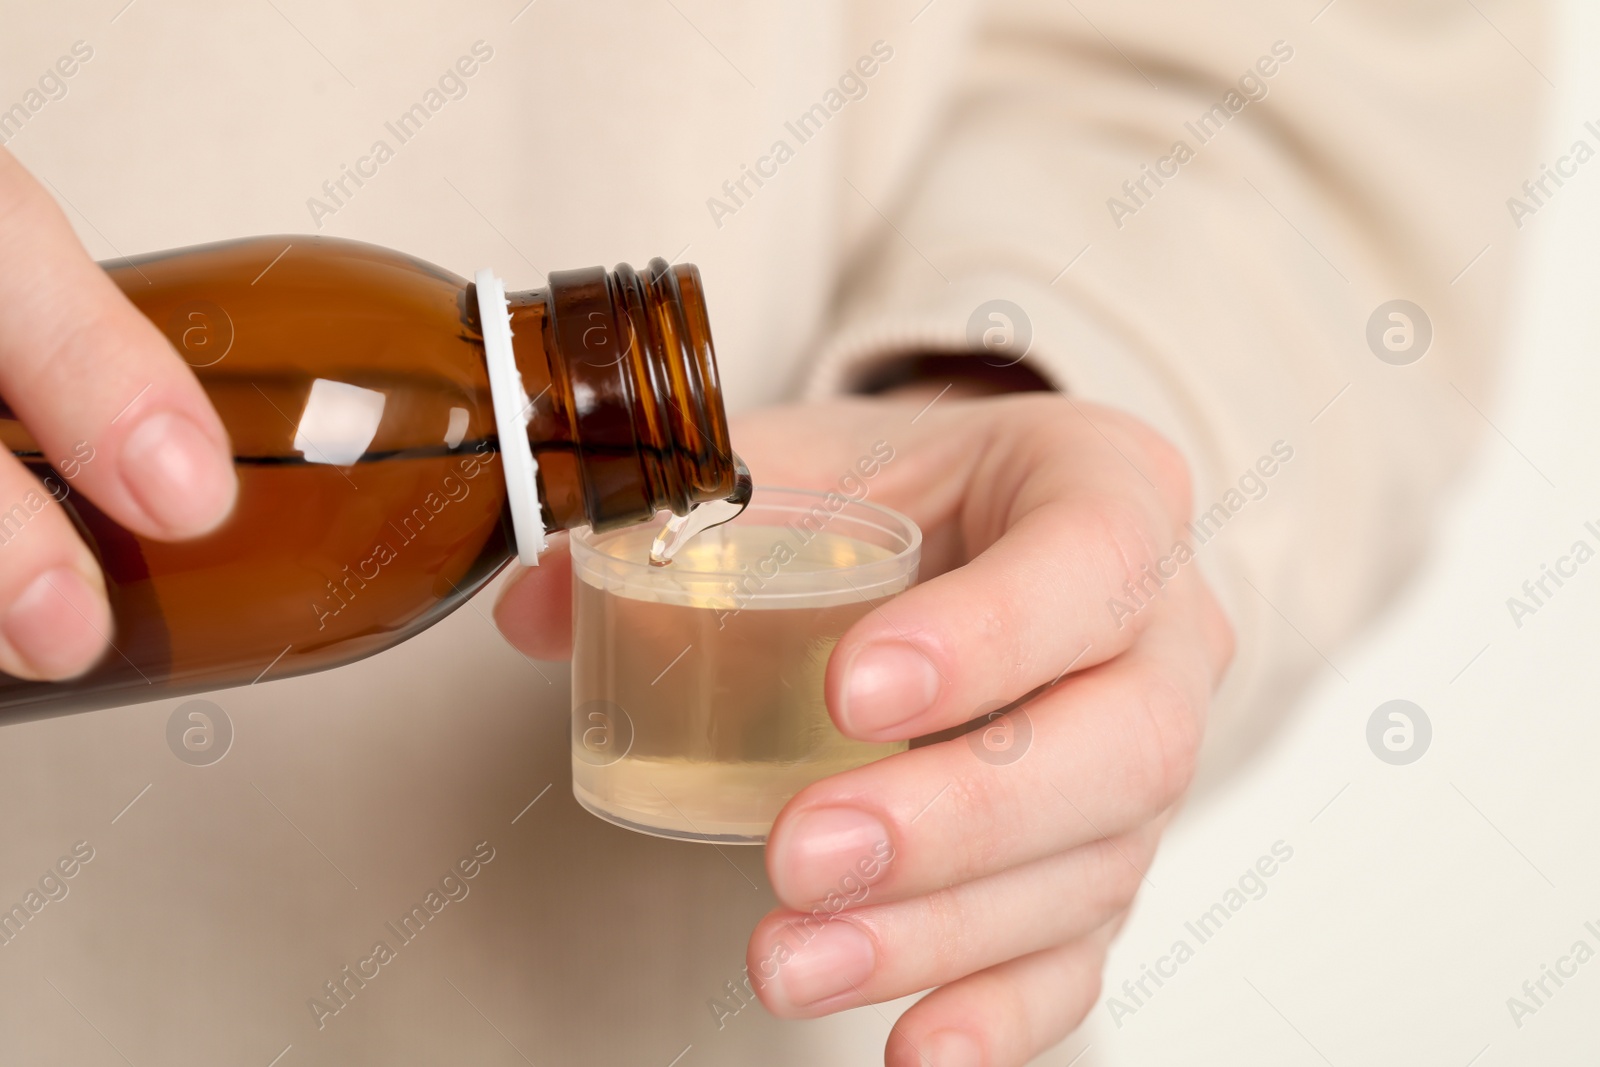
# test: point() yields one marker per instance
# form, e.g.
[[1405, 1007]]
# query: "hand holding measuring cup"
[[1006, 878]]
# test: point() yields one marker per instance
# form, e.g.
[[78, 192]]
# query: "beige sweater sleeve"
[[1199, 206]]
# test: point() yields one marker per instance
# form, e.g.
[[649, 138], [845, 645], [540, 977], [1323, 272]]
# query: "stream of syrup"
[[680, 529]]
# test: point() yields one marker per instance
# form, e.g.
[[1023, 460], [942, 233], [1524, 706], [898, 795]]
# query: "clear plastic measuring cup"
[[697, 687]]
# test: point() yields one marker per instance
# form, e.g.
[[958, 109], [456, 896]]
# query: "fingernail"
[[951, 1048], [837, 959], [178, 474], [58, 626], [816, 852], [886, 685]]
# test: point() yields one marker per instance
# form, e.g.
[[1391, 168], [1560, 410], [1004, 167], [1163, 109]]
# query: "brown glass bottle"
[[372, 494]]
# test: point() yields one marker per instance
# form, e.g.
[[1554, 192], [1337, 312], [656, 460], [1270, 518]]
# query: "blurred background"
[[1422, 896], [1417, 898]]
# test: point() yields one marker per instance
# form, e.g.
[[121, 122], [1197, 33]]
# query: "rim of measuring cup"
[[772, 585]]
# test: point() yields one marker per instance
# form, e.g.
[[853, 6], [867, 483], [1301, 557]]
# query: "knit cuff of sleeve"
[[1074, 352]]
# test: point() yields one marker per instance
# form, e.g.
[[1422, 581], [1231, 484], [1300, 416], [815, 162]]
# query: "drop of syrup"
[[680, 529]]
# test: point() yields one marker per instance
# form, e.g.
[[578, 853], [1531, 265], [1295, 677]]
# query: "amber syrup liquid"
[[699, 716], [327, 556]]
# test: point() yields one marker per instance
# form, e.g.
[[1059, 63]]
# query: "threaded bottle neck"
[[632, 421]]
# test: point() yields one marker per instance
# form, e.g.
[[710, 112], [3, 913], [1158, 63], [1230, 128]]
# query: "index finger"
[[98, 387], [1063, 587], [1104, 753]]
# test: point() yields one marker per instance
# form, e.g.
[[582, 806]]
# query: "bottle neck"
[[627, 417]]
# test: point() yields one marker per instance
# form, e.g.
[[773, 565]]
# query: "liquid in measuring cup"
[[698, 706]]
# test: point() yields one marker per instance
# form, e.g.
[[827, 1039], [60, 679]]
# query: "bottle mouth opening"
[[639, 419], [676, 365]]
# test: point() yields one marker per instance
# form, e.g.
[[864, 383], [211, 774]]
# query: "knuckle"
[[1160, 460], [985, 814], [86, 355], [1169, 732], [991, 629], [1007, 1002], [1093, 984], [1221, 628], [1150, 451], [1115, 874], [101, 336], [951, 949], [1123, 538], [1169, 469], [1081, 994]]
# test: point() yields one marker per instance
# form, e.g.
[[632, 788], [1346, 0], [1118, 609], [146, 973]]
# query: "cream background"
[[226, 895], [1407, 918]]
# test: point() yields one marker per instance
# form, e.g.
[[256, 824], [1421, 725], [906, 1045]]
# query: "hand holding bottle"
[[1010, 867], [117, 413]]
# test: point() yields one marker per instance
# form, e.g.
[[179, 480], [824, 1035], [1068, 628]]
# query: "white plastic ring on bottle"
[[512, 412]]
